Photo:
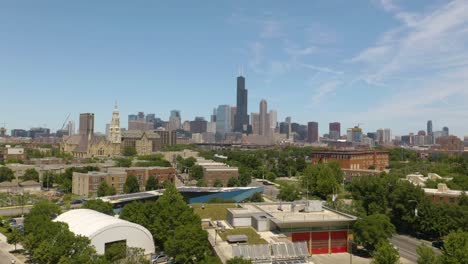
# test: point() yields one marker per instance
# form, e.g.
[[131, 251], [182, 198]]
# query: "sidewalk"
[[5, 249]]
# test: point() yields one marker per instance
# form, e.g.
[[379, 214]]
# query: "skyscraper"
[[87, 125], [223, 119], [445, 131], [255, 121], [264, 119], [429, 128], [242, 118], [273, 119], [115, 135], [334, 130], [312, 132], [175, 121], [233, 117]]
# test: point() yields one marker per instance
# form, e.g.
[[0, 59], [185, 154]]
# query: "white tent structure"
[[103, 229]]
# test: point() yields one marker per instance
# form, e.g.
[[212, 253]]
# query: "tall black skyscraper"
[[241, 118], [429, 128]]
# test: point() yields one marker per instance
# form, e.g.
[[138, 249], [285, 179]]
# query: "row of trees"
[[175, 227]]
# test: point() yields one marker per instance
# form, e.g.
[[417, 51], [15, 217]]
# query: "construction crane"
[[64, 122], [359, 124]]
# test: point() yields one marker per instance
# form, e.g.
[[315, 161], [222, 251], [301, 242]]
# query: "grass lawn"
[[253, 237], [296, 184], [213, 211]]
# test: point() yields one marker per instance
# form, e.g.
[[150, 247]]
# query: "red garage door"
[[339, 241], [319, 242]]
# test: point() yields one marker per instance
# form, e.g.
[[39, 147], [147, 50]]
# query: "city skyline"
[[312, 67]]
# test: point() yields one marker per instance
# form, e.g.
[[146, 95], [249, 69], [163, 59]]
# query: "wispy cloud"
[[270, 29], [321, 69], [428, 50], [324, 90]]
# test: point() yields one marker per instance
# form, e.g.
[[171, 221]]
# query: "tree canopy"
[[131, 184], [151, 183], [100, 206], [369, 231]]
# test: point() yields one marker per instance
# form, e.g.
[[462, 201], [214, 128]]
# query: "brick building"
[[353, 159], [87, 184], [222, 173]]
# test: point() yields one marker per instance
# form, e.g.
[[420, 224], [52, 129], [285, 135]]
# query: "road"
[[407, 247], [269, 190], [5, 257], [10, 211]]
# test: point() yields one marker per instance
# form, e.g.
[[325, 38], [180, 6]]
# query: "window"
[[452, 200]]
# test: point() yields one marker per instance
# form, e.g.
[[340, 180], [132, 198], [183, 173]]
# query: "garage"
[[323, 242]]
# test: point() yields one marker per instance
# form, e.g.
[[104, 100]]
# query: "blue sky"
[[383, 63]]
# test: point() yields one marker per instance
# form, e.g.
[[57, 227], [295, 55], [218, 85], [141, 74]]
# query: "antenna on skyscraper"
[[115, 105]]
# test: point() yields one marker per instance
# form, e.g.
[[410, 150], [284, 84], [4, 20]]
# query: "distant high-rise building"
[[354, 134], [199, 125], [273, 119], [312, 132], [132, 117], [264, 119], [387, 135], [19, 133], [429, 127], [334, 130], [255, 123], [242, 118], [141, 116], [175, 121], [288, 121], [284, 128], [233, 117], [71, 128], [87, 125], [223, 119], [150, 118], [421, 133], [446, 131], [380, 136], [213, 116]]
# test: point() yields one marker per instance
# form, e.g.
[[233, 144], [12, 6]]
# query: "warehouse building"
[[104, 230]]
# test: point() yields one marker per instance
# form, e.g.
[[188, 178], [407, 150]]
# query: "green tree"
[[123, 162], [370, 230], [173, 212], [31, 175], [455, 248], [116, 251], [189, 244], [104, 189], [426, 255], [202, 183], [218, 183], [131, 185], [301, 164], [321, 179], [256, 198], [288, 193], [239, 260], [140, 213], [233, 182], [385, 254], [271, 176], [196, 172], [14, 237], [100, 206], [151, 183], [6, 174], [129, 151]]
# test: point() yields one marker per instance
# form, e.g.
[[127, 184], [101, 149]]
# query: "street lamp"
[[415, 208]]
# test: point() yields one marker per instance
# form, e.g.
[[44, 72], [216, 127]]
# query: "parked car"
[[78, 201], [438, 244], [160, 258]]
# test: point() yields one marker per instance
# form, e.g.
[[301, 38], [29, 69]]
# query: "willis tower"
[[242, 118]]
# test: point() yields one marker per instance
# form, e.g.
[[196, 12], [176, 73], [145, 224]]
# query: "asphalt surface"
[[269, 190], [407, 247]]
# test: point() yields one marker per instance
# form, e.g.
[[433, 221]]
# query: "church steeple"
[[114, 128]]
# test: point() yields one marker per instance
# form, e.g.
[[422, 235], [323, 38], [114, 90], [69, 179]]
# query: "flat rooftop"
[[287, 215], [447, 192]]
